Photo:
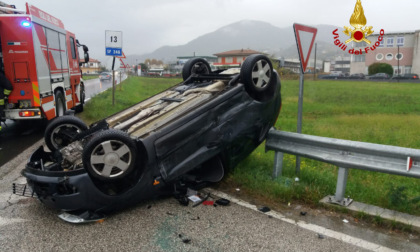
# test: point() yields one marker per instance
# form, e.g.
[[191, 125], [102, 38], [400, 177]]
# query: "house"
[[233, 58], [341, 65], [92, 67], [290, 64], [399, 49], [176, 66]]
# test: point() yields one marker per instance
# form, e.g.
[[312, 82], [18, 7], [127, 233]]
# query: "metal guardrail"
[[345, 154]]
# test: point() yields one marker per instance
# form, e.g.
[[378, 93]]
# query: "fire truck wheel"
[[60, 104], [79, 108], [110, 155], [257, 77], [195, 66], [62, 130]]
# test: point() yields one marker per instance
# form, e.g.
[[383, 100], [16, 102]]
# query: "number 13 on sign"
[[113, 39]]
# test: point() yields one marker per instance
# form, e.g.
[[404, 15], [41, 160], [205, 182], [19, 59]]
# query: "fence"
[[346, 155]]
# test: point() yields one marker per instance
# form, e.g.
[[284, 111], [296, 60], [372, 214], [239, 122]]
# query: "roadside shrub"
[[380, 68], [287, 74]]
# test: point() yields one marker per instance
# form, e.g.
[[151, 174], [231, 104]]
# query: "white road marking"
[[308, 226], [5, 221]]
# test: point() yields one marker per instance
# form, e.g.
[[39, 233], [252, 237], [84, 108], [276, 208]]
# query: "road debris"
[[264, 209], [201, 201], [194, 198], [222, 202], [184, 240]]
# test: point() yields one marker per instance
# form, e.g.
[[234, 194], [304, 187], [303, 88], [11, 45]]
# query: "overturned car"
[[189, 134]]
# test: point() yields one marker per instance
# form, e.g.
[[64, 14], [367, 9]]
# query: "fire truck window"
[[63, 50], [54, 47], [72, 46]]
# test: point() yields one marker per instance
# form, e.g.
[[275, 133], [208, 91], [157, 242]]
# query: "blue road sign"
[[113, 51]]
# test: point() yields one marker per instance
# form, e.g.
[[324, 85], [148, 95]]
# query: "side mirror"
[[86, 57], [86, 50]]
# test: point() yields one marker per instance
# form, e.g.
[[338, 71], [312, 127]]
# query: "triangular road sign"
[[305, 37], [121, 57], [122, 63]]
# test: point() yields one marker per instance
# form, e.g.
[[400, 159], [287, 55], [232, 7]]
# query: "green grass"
[[132, 90], [384, 113], [90, 77]]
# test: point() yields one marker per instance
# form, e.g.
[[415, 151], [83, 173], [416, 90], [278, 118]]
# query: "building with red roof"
[[233, 58]]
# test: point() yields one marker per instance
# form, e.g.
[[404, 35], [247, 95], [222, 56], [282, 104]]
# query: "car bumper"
[[71, 190]]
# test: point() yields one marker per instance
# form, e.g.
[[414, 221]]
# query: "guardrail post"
[[341, 188], [278, 164]]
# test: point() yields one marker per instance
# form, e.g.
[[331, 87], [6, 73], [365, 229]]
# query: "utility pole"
[[398, 57], [113, 81], [315, 63]]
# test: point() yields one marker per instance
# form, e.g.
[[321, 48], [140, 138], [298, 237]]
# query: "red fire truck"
[[40, 60]]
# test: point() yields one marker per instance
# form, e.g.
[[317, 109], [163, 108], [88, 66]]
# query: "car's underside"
[[185, 136]]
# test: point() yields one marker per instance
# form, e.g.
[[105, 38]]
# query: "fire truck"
[[40, 59]]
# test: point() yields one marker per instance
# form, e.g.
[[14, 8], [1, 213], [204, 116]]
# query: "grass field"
[[384, 113], [90, 77], [132, 90]]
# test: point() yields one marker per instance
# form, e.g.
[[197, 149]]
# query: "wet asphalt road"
[[19, 135], [165, 225]]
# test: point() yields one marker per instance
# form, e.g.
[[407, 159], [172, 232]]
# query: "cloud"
[[148, 25]]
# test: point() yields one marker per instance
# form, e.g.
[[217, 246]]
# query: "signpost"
[[305, 37], [113, 47]]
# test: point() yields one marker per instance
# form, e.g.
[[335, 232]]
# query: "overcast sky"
[[150, 24]]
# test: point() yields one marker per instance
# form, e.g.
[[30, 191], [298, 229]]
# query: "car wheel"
[[195, 66], [60, 104], [110, 155], [62, 130], [257, 76]]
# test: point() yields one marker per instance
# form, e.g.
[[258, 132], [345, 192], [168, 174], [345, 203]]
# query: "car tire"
[[79, 108], [195, 66], [110, 155], [60, 103], [257, 75], [61, 131]]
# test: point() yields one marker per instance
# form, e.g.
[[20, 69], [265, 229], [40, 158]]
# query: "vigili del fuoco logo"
[[359, 33]]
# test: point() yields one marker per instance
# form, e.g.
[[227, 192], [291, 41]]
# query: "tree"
[[102, 69], [380, 68], [153, 62]]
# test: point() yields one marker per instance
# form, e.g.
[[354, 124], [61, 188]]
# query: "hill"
[[256, 35]]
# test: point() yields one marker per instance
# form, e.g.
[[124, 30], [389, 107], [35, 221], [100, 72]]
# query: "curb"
[[375, 211]]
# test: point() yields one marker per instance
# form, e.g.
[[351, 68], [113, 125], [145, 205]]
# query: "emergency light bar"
[[25, 23]]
